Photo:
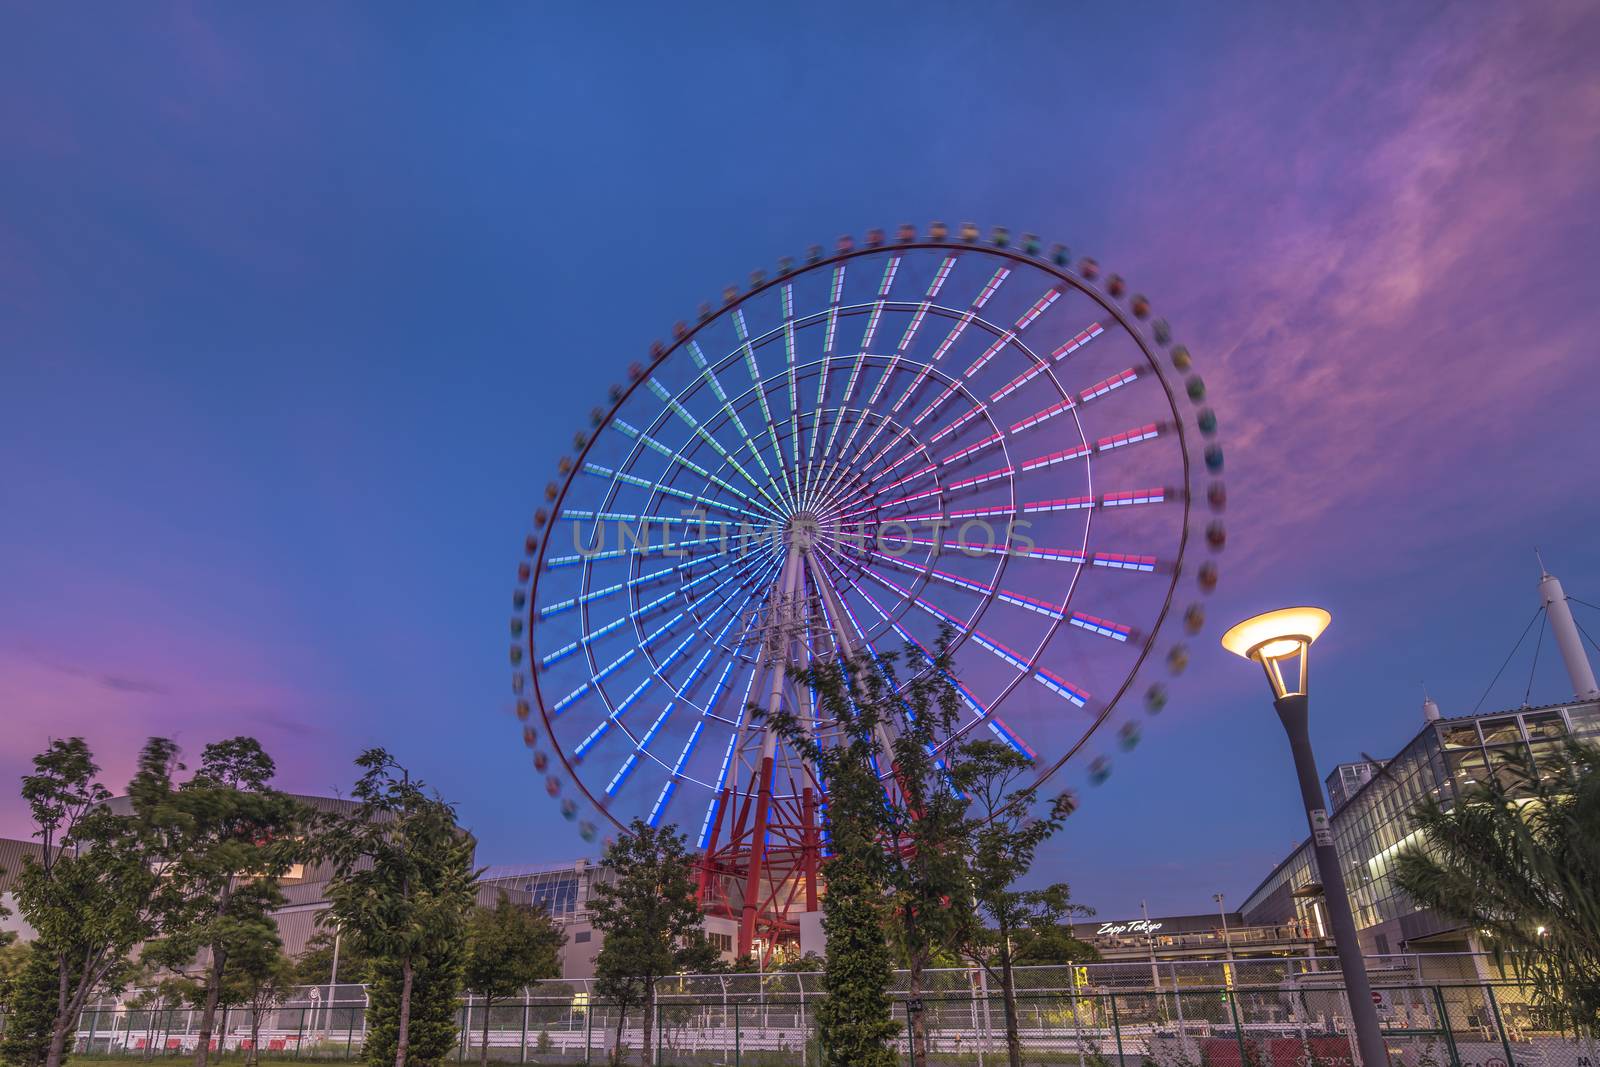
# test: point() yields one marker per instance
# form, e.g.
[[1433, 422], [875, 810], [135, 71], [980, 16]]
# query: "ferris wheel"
[[917, 433]]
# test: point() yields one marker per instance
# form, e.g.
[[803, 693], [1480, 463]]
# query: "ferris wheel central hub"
[[801, 529]]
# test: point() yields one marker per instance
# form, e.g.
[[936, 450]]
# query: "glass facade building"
[[1374, 823]]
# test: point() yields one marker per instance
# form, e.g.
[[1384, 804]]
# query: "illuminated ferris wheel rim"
[[747, 400]]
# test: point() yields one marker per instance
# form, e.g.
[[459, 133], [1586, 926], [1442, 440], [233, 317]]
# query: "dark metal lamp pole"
[[1275, 640]]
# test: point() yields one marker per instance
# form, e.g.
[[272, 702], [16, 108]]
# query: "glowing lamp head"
[[1276, 637]]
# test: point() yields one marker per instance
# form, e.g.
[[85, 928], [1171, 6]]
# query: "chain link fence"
[[1087, 1016]]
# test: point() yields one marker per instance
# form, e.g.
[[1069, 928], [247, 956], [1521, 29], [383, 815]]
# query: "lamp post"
[[1276, 640], [1227, 940]]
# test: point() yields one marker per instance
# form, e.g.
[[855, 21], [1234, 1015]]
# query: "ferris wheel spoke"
[[710, 375], [614, 715], [757, 383], [677, 457], [849, 442], [705, 435], [973, 705], [1066, 690], [671, 784], [658, 486], [975, 481], [835, 488], [875, 315], [610, 627], [599, 556], [963, 320], [836, 292], [1123, 498], [1080, 339], [937, 283], [1010, 336], [794, 385]]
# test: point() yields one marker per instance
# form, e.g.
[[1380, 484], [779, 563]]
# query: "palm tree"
[[1518, 857]]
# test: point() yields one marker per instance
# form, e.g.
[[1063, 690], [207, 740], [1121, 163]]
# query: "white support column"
[[1568, 640]]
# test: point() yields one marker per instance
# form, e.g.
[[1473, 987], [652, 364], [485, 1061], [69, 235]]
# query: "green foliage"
[[509, 948], [101, 885], [314, 965], [809, 963], [932, 907], [241, 836], [1518, 856], [31, 991], [1046, 937], [651, 920], [259, 979], [431, 1030], [401, 892], [1002, 837], [854, 1022], [13, 957]]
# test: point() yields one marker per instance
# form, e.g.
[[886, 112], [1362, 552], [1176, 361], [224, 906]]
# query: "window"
[[1500, 731], [580, 937], [721, 942], [1547, 725]]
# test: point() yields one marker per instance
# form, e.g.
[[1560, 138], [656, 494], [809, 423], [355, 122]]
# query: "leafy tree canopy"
[[1518, 857]]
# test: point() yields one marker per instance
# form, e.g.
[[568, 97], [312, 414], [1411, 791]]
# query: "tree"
[[32, 983], [100, 885], [1001, 837], [314, 965], [259, 979], [649, 914], [159, 995], [401, 891], [1516, 857], [854, 1021], [14, 956], [1046, 938], [509, 948], [925, 845], [242, 837], [809, 963]]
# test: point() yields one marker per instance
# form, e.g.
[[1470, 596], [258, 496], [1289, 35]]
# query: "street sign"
[[1321, 832]]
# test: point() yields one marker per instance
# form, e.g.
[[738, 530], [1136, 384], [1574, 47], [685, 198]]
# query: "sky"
[[299, 305]]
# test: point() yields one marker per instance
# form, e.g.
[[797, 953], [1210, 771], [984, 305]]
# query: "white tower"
[[1430, 708], [1565, 629]]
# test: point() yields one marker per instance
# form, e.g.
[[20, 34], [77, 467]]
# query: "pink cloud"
[[1378, 283]]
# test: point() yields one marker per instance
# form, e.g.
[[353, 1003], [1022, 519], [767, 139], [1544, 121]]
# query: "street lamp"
[[1276, 640], [1227, 940]]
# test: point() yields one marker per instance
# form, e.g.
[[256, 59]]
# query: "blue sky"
[[299, 306]]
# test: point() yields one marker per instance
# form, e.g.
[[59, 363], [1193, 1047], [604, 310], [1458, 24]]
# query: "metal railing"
[[766, 1020]]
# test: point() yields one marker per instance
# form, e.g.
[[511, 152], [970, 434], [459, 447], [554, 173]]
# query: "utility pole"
[[1150, 943], [1227, 940]]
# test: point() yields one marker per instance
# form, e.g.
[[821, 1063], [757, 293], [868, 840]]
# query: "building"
[[1373, 824], [1346, 778], [562, 889], [1372, 804], [1207, 937], [13, 854]]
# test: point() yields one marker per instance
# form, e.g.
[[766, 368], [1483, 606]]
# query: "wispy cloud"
[[1382, 288]]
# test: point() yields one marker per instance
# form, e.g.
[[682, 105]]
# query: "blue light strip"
[[761, 395], [710, 375]]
